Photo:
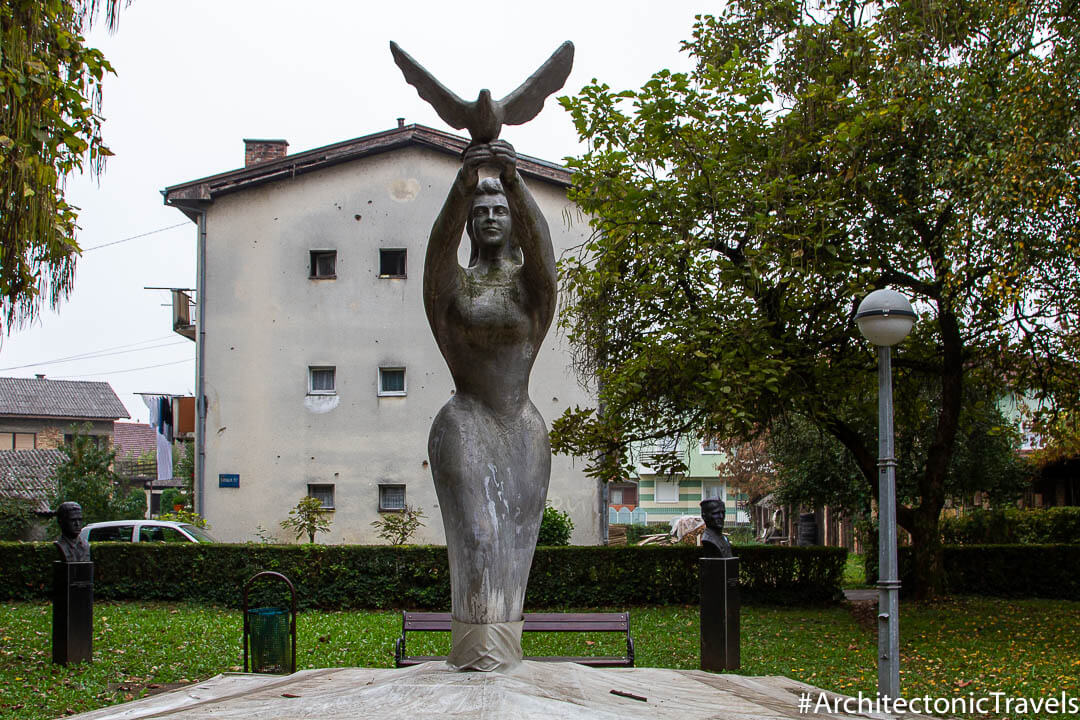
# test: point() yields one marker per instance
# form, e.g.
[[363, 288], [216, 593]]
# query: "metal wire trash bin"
[[270, 632]]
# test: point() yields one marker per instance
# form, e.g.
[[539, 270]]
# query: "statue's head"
[[490, 223], [69, 515], [713, 511]]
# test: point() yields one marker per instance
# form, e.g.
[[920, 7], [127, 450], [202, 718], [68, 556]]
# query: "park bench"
[[534, 622]]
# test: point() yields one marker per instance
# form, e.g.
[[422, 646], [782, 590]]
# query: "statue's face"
[[71, 523], [491, 220], [713, 515]]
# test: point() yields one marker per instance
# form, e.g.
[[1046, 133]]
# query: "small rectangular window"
[[711, 490], [710, 444], [323, 263], [392, 262], [25, 441], [324, 494], [667, 490], [391, 381], [391, 498], [321, 381], [7, 441]]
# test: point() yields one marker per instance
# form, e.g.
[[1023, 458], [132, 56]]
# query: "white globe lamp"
[[885, 317]]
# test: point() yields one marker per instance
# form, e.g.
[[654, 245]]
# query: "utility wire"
[[135, 237], [119, 372], [94, 356], [92, 353]]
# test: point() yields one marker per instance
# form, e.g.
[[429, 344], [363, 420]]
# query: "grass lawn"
[[951, 648], [854, 573]]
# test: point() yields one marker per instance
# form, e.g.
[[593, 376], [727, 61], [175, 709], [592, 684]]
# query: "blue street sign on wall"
[[228, 480]]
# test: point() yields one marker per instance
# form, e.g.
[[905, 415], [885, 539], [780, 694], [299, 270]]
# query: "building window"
[[667, 490], [391, 498], [710, 444], [321, 380], [324, 263], [392, 262], [324, 494], [391, 381], [623, 494], [711, 490], [18, 441]]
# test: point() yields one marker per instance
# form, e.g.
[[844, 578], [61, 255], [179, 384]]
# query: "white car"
[[144, 531]]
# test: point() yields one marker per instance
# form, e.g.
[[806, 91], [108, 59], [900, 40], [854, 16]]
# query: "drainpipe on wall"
[[200, 371]]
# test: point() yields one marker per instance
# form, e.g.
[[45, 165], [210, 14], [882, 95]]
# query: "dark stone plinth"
[[720, 606], [73, 612]]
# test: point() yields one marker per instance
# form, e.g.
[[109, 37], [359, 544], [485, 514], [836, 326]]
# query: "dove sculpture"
[[485, 117]]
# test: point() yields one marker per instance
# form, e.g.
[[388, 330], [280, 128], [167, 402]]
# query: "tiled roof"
[[133, 439], [289, 166], [28, 473], [40, 397]]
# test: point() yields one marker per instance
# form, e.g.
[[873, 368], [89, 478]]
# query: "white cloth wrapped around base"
[[486, 647]]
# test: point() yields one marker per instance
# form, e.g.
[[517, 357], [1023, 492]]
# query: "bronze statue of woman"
[[489, 450]]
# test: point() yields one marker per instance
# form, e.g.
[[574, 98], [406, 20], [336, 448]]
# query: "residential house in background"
[[38, 413], [662, 498], [317, 372]]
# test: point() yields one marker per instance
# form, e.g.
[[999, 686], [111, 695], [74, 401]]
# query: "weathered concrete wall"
[[266, 322]]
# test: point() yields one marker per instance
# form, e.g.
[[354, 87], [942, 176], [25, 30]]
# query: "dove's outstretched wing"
[[525, 103], [455, 111]]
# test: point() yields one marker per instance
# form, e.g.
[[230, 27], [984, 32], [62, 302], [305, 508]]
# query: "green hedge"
[[1047, 571], [1027, 526], [358, 576]]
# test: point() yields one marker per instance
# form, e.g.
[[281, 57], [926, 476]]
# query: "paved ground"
[[532, 691], [862, 595]]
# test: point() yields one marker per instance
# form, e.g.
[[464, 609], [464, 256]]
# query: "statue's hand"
[[475, 157], [504, 157]]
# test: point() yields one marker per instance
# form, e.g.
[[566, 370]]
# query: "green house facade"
[[664, 497]]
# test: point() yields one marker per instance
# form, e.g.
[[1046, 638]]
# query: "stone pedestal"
[[73, 612], [720, 607]]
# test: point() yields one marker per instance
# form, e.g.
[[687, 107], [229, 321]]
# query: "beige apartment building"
[[317, 369]]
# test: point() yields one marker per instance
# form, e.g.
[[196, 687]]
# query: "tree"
[[814, 153], [50, 126], [397, 528], [814, 468], [307, 518], [184, 469], [86, 476], [555, 527], [17, 516]]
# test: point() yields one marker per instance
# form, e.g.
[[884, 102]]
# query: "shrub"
[[1000, 570], [185, 516], [357, 576], [555, 527], [397, 528], [635, 533], [170, 498], [1011, 525], [307, 518], [16, 517]]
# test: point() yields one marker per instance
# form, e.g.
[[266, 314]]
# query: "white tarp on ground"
[[534, 690]]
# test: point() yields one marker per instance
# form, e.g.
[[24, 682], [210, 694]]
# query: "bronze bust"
[[71, 546], [713, 541]]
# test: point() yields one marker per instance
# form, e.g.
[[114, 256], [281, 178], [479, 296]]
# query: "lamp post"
[[885, 318]]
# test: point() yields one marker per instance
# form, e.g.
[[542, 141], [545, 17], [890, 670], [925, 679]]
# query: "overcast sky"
[[194, 78]]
